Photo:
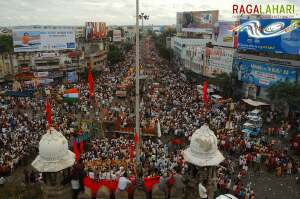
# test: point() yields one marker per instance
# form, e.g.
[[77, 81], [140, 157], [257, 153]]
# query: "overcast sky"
[[113, 12]]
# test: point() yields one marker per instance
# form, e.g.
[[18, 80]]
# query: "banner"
[[218, 60], [43, 38], [41, 74], [72, 77], [261, 73], [198, 21], [117, 36], [270, 35], [95, 31], [225, 33], [195, 58]]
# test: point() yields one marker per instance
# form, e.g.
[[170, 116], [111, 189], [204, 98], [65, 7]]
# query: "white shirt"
[[75, 184], [123, 182], [202, 191]]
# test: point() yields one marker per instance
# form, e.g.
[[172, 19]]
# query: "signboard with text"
[[261, 73], [95, 31], [198, 21], [43, 38], [117, 35], [218, 61]]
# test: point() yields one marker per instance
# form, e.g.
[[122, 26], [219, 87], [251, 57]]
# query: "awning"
[[254, 103]]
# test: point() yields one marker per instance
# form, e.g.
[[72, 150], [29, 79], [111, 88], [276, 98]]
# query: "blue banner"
[[270, 35], [261, 73], [72, 77], [25, 93]]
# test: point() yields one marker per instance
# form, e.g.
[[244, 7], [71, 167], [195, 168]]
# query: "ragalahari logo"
[[275, 29], [269, 9]]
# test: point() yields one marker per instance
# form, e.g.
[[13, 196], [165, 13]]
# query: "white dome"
[[53, 153], [203, 150]]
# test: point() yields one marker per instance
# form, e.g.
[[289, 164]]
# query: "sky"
[[113, 12]]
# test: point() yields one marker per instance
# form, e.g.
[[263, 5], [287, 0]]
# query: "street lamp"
[[137, 84], [143, 17]]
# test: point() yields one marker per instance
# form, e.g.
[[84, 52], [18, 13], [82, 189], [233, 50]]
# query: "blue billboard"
[[72, 77], [270, 35], [261, 73]]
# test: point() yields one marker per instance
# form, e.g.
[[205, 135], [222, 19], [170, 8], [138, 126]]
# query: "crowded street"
[[171, 110]]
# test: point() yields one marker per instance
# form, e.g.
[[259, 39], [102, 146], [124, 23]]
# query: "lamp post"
[[143, 17], [137, 84]]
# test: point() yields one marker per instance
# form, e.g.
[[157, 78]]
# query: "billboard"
[[117, 36], [199, 21], [43, 38], [218, 60], [195, 58], [95, 31], [72, 77], [262, 73], [270, 35], [225, 34]]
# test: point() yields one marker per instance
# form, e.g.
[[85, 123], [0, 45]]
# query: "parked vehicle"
[[250, 129], [226, 196]]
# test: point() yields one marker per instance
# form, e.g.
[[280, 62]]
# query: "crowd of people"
[[169, 101]]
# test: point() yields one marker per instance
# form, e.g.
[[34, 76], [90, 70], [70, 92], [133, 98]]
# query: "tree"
[[6, 44], [114, 54], [126, 46], [161, 44], [285, 96], [223, 81]]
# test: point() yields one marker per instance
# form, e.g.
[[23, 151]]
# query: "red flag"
[[48, 111], [91, 81], [204, 93], [131, 152], [136, 138], [81, 146], [75, 150]]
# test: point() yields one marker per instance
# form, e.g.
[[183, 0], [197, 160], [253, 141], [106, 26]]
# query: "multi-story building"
[[96, 54]]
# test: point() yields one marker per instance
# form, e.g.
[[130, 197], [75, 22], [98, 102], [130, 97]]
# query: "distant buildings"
[[49, 53], [207, 47]]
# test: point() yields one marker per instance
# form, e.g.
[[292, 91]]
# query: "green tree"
[[6, 44], [285, 96], [223, 82], [114, 54], [161, 44], [126, 46]]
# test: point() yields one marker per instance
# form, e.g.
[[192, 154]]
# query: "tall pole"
[[137, 84]]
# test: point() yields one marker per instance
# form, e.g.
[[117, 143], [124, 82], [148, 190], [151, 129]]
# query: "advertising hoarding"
[[195, 58], [199, 21], [95, 31], [72, 77], [270, 35], [41, 74], [117, 36], [43, 38], [218, 60], [261, 73], [225, 34]]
